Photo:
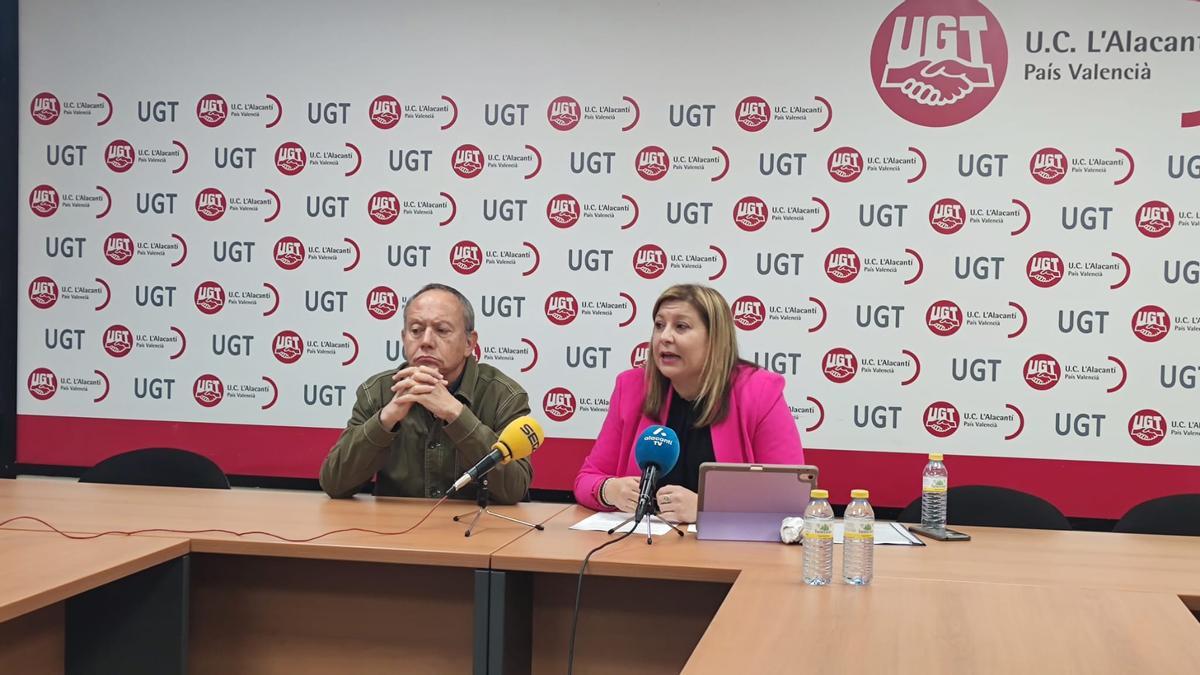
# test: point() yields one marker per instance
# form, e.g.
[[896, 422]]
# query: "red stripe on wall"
[[1078, 488], [240, 449]]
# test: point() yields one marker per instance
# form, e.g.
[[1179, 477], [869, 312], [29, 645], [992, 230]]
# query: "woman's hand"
[[621, 493], [676, 504]]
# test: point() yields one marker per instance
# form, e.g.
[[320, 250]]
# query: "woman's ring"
[[666, 499]]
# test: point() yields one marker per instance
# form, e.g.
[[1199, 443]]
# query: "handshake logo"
[[1147, 427], [559, 404], [385, 112], [943, 83], [936, 67]]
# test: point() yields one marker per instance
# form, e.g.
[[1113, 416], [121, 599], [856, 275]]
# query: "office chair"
[[168, 467], [1177, 514], [991, 506]]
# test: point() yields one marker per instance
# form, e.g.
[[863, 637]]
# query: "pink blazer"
[[758, 429]]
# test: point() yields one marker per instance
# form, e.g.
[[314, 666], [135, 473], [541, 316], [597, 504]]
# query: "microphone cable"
[[280, 537], [579, 593]]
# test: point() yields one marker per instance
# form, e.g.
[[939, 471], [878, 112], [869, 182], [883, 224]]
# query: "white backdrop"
[[668, 75]]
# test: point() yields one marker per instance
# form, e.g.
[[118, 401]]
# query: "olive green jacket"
[[423, 456]]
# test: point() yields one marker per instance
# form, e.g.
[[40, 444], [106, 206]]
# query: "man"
[[419, 427]]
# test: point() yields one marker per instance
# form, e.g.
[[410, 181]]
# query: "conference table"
[[51, 586], [500, 601]]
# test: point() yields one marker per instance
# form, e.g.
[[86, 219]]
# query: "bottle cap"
[[859, 494], [819, 494], [935, 456]]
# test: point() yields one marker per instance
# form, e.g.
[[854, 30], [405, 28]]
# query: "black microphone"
[[518, 440], [657, 452]]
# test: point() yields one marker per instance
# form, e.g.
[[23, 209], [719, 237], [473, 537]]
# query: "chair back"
[[1177, 514], [991, 506], [168, 467]]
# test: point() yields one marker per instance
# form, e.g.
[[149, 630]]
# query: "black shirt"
[[695, 444]]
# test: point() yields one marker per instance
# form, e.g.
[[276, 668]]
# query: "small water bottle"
[[858, 542], [934, 482], [818, 539]]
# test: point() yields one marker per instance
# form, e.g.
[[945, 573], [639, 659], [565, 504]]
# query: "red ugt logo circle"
[[938, 63]]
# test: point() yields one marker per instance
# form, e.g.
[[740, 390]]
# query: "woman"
[[723, 408]]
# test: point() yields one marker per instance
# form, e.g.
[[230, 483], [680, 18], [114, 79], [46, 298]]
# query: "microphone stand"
[[654, 512], [482, 497]]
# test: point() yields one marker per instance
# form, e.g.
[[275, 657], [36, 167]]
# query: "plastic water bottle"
[[934, 482], [858, 542], [818, 539]]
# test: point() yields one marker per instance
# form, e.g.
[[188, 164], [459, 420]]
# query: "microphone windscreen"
[[520, 438], [658, 445]]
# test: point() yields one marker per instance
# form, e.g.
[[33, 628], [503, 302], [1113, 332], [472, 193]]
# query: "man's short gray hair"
[[468, 310]]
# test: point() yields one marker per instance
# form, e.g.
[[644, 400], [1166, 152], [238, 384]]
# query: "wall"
[[927, 216]]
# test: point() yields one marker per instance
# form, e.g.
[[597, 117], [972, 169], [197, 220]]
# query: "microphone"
[[518, 440], [657, 451]]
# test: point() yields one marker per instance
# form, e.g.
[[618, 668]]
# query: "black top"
[[695, 444]]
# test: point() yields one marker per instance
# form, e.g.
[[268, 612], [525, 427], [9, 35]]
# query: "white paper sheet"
[[605, 521], [886, 534]]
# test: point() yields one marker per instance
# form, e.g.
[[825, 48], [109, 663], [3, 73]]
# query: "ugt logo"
[[563, 113], [211, 110], [839, 365], [1150, 323], [466, 257], [385, 112], [750, 213], [649, 261], [290, 158], [652, 163], [1045, 269], [1155, 219], [45, 108], [467, 161], [559, 404], [383, 207], [118, 341], [288, 346], [562, 211], [119, 156], [748, 312], [942, 419], [944, 318], [1042, 372], [43, 201], [561, 308], [1048, 166], [208, 390], [42, 384], [752, 114], [947, 216], [845, 164], [938, 63], [210, 204], [1147, 427], [382, 303]]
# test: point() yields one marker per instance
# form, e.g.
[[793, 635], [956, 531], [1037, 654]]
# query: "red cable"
[[280, 537]]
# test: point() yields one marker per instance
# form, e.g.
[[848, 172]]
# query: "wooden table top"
[[1099, 560], [85, 507], [561, 550], [1096, 560], [1013, 600], [771, 622], [39, 569]]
